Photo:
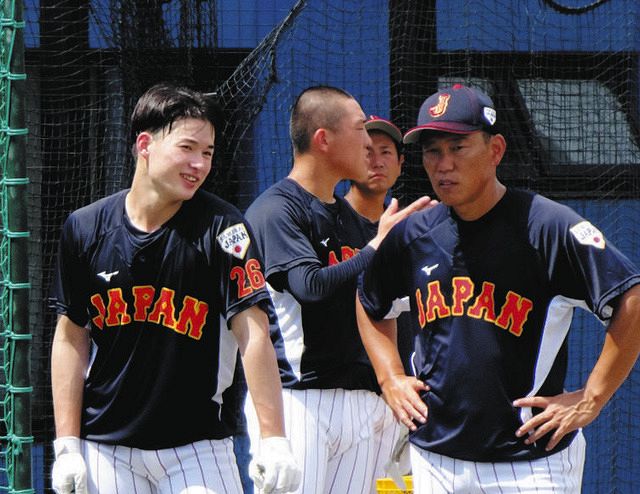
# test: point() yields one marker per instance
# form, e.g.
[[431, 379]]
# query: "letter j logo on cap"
[[440, 109]]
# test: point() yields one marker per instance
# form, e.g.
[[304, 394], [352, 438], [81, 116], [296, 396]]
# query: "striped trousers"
[[202, 467], [559, 473], [341, 438]]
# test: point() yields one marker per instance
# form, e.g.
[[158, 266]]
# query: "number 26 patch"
[[248, 278]]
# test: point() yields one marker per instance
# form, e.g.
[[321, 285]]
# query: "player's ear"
[[143, 141], [320, 139], [498, 146]]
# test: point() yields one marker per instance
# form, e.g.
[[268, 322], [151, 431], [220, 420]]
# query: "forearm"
[[311, 283], [69, 360], [569, 411], [380, 342], [261, 370], [401, 392], [620, 350]]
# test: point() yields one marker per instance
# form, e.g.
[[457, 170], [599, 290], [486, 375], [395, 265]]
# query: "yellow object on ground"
[[388, 486]]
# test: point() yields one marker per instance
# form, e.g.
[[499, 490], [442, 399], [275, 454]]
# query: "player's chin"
[[376, 186], [186, 193], [446, 194]]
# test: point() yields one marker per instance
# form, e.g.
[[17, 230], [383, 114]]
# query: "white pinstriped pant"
[[560, 473], [202, 467], [341, 438]]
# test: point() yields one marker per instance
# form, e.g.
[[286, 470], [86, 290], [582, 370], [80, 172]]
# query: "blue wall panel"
[[532, 26], [348, 49], [610, 446]]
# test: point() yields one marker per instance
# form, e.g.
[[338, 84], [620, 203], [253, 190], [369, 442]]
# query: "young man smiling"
[[157, 287]]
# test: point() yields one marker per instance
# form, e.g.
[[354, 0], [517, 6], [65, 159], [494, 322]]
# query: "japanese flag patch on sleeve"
[[587, 234], [235, 240]]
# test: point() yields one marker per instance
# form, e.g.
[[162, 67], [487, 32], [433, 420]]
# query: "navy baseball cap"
[[458, 109], [377, 123]]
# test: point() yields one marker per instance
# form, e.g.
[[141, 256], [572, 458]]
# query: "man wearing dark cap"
[[368, 196], [494, 275]]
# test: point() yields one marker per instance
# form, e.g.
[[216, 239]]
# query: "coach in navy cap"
[[494, 274]]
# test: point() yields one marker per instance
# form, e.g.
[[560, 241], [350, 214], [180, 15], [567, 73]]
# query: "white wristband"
[[66, 444]]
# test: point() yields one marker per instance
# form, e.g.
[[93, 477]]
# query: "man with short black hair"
[[494, 275], [315, 245], [157, 288]]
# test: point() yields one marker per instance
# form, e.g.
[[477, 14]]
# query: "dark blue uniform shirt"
[[157, 306], [492, 301], [319, 346]]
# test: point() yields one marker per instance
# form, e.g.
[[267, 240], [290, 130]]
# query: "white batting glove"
[[69, 474], [399, 463], [274, 469]]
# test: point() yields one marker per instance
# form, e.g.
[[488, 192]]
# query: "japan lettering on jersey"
[[157, 305], [492, 302]]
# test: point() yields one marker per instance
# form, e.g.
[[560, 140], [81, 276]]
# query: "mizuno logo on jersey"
[[325, 242], [429, 269], [235, 240], [188, 318], [513, 310], [587, 234], [107, 276]]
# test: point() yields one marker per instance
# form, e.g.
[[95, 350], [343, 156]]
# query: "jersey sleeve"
[[581, 262], [379, 285], [282, 230], [309, 283], [69, 288], [242, 278]]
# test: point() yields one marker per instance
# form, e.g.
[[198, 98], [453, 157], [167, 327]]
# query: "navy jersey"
[[157, 305], [492, 301], [318, 344]]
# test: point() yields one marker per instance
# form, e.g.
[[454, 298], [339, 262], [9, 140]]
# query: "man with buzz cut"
[[315, 245]]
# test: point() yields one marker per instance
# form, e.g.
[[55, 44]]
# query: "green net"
[[564, 76], [15, 338]]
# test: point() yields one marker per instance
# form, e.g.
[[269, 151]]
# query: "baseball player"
[[315, 245], [157, 287], [369, 198], [494, 275]]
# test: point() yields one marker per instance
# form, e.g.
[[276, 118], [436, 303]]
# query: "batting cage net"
[[563, 75]]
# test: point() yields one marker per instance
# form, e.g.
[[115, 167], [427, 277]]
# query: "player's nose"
[[376, 162], [199, 161], [445, 162], [368, 142]]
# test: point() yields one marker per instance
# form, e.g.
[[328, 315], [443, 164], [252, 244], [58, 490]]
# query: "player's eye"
[[458, 147]]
